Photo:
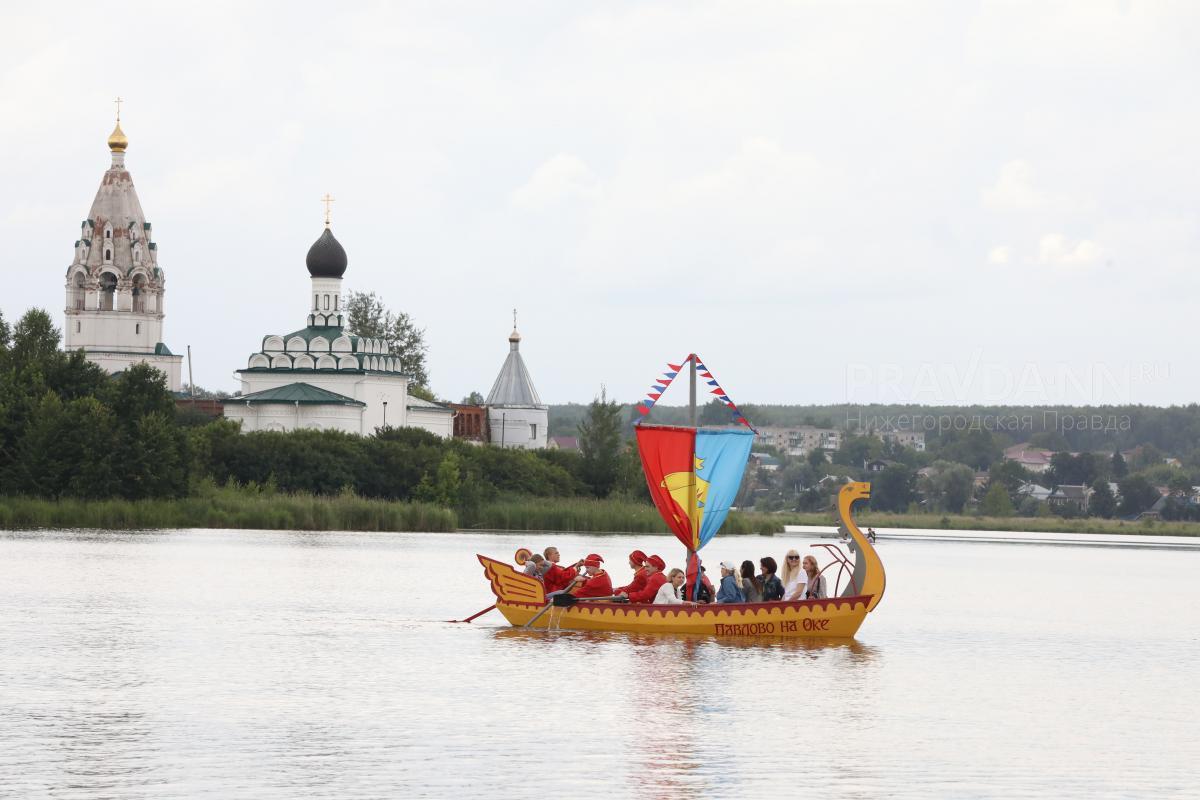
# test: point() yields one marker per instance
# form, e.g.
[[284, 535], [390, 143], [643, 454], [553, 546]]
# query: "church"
[[318, 377], [321, 377], [115, 288]]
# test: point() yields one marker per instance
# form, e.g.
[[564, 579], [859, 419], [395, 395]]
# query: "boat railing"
[[844, 565]]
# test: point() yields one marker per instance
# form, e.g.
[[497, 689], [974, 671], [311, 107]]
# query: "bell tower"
[[115, 288]]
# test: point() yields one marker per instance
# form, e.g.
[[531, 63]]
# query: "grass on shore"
[[228, 508], [266, 509]]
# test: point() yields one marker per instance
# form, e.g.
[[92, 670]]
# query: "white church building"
[[321, 377], [115, 288], [516, 415]]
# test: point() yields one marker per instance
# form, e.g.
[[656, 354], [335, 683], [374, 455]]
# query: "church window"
[[107, 254], [335, 299], [137, 327], [77, 326], [326, 302], [108, 233], [108, 289], [533, 430], [316, 302]]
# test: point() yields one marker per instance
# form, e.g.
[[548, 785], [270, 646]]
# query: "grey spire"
[[513, 386]]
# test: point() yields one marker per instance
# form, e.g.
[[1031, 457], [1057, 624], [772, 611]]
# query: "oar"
[[555, 601], [492, 607]]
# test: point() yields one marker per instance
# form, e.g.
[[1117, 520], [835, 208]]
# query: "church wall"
[[288, 417], [370, 389], [511, 426], [119, 362], [436, 422]]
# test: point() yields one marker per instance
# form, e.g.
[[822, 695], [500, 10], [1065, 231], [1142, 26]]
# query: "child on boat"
[[654, 580], [637, 562]]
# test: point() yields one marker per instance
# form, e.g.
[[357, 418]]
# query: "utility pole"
[[191, 382]]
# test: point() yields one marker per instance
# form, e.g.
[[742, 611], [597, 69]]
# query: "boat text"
[[766, 628]]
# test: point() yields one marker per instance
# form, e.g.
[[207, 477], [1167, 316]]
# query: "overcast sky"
[[938, 203]]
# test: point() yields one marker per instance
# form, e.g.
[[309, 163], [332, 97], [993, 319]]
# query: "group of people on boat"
[[800, 579]]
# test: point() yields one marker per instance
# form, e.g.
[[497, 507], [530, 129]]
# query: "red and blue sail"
[[693, 475]]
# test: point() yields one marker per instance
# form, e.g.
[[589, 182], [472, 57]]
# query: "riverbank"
[[264, 509]]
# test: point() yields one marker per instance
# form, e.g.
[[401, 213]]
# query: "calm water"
[[283, 665]]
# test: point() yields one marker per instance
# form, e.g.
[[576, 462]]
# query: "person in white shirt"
[[668, 593], [792, 577]]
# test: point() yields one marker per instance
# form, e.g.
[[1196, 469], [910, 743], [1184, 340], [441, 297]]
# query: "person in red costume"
[[654, 579], [596, 583], [557, 577], [637, 562]]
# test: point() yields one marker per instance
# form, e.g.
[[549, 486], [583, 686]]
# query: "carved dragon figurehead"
[[869, 576]]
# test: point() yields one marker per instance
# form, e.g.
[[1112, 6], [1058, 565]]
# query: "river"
[[238, 664]]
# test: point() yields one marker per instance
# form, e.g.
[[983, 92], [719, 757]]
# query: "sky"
[[934, 203]]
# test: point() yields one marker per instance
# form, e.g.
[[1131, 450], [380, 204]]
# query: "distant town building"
[[516, 415], [1034, 459], [912, 439], [1076, 496], [800, 440], [563, 443], [764, 461], [115, 288]]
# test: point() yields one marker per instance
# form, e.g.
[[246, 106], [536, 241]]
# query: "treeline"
[[69, 430], [1174, 430]]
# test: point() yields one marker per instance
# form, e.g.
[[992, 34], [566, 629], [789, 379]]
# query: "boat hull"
[[834, 618]]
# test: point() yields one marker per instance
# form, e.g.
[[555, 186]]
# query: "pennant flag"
[[717, 391], [672, 374], [647, 403], [675, 367], [659, 388], [726, 399], [706, 375], [643, 409], [653, 396], [713, 383]]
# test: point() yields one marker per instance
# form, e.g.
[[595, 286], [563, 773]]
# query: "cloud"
[[563, 177], [1056, 251], [1014, 188]]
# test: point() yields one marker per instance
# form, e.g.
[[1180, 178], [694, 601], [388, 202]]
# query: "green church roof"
[[302, 393]]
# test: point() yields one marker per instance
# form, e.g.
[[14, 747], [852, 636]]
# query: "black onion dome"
[[326, 258]]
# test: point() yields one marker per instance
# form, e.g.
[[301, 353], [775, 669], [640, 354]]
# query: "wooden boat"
[[693, 475], [520, 598]]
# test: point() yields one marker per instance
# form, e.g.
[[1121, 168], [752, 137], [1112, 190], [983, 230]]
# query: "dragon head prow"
[[857, 490]]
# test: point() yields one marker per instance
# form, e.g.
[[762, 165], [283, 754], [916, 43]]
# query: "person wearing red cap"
[[557, 578], [596, 583], [654, 579], [637, 562]]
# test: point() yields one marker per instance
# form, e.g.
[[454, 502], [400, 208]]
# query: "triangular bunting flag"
[[706, 375], [659, 388], [672, 374], [716, 391], [726, 399], [675, 367], [653, 396], [643, 409], [713, 383]]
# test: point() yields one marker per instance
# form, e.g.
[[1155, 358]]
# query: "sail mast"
[[691, 495]]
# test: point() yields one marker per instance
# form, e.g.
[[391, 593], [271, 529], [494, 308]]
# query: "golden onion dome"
[[116, 140]]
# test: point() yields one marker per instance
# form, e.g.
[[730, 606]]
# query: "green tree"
[[1102, 502], [1118, 466], [816, 458], [600, 444], [996, 503], [445, 487], [366, 315], [1009, 473], [1137, 495], [894, 488], [951, 486], [473, 399]]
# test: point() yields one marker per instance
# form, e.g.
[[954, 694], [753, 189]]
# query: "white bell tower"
[[115, 289]]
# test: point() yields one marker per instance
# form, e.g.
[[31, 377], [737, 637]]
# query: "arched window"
[[78, 292], [108, 290], [316, 302], [107, 254], [139, 294], [326, 302]]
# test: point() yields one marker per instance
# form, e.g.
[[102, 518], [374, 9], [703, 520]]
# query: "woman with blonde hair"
[[813, 579], [792, 577], [668, 593]]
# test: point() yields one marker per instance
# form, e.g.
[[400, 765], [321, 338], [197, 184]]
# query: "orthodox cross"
[[118, 101], [327, 200]]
